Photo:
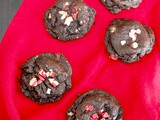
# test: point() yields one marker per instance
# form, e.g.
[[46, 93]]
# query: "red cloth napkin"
[[136, 85]]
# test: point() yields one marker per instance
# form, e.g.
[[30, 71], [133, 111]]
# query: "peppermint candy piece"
[[33, 82], [68, 21], [53, 82]]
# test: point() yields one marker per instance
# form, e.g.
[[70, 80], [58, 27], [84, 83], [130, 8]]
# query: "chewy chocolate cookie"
[[115, 6], [128, 40], [95, 105], [69, 19], [46, 77]]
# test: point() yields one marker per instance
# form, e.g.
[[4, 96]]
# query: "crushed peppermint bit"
[[105, 115], [70, 114], [138, 31], [89, 107], [81, 22], [95, 116], [39, 82], [101, 111], [123, 42], [76, 30], [42, 73], [48, 91], [76, 8], [33, 82], [53, 82], [113, 57], [135, 45], [50, 16], [68, 21], [74, 15], [47, 74], [112, 29], [66, 8], [133, 34], [52, 74], [40, 77], [64, 14], [66, 3]]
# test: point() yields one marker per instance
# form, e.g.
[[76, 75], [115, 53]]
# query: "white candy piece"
[[48, 91], [51, 80], [70, 114], [64, 14], [138, 31], [33, 82], [135, 45], [81, 22], [68, 21], [132, 34], [56, 83], [123, 42], [50, 16], [48, 74], [66, 3]]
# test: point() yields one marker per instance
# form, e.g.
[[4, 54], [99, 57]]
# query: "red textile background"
[[136, 85]]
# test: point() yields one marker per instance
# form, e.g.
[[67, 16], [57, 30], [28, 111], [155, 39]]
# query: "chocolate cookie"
[[46, 77], [115, 6], [69, 19], [95, 105], [128, 40]]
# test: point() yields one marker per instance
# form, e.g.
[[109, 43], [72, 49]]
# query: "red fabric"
[[136, 85]]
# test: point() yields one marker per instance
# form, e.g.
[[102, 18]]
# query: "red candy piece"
[[74, 15], [34, 84], [53, 74], [95, 116], [101, 111], [55, 83], [76, 8], [42, 73], [89, 107], [66, 8], [105, 115], [41, 79]]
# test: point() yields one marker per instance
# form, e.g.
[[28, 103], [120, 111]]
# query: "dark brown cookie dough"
[[95, 105], [128, 40], [115, 6], [46, 77], [69, 19]]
